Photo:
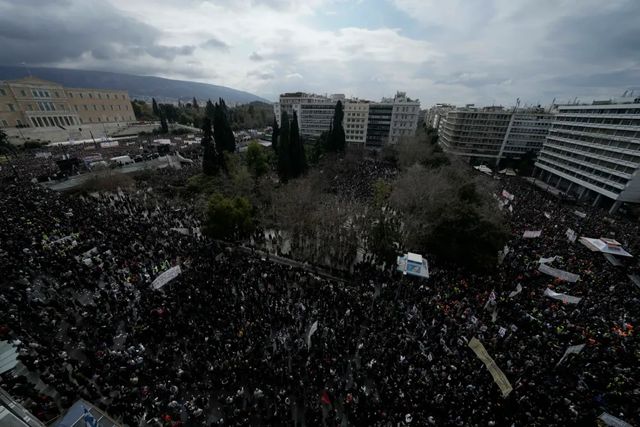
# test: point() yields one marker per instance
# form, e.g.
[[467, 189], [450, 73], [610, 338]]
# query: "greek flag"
[[89, 420]]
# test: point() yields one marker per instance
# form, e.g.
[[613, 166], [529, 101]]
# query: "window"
[[11, 107], [70, 94], [56, 94], [90, 96], [99, 96], [107, 96], [19, 122], [66, 120], [46, 93], [33, 120], [103, 107], [80, 95], [40, 122], [95, 107], [34, 93], [29, 107], [23, 93], [4, 123], [75, 107]]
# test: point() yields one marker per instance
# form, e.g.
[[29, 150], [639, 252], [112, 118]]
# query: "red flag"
[[324, 398]]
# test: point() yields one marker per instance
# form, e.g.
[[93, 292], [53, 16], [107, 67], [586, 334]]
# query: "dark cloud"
[[619, 79], [255, 56], [40, 32], [214, 43]]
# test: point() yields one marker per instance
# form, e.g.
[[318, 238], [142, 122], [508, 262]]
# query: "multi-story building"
[[490, 134], [389, 120], [379, 125], [355, 122], [404, 116], [37, 103], [592, 152], [433, 116]]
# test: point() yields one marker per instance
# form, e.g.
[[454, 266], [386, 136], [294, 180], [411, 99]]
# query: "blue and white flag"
[[89, 420]]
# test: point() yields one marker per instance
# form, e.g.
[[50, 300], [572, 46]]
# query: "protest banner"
[[548, 260], [571, 350], [571, 235], [166, 277], [508, 195], [516, 292], [559, 274], [532, 234], [562, 297], [312, 330], [497, 374], [612, 421]]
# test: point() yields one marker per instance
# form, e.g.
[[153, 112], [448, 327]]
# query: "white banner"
[[532, 234], [610, 420], [497, 374], [166, 277], [548, 260], [571, 235], [516, 292], [312, 330], [580, 214], [572, 349], [560, 274], [562, 297], [508, 195]]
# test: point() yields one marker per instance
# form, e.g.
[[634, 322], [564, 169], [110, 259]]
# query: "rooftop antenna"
[[575, 100], [625, 93]]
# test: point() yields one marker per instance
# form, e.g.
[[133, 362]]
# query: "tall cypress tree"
[[209, 111], [296, 150], [337, 140], [163, 124], [275, 134], [222, 132], [284, 152], [156, 110], [210, 163], [195, 103]]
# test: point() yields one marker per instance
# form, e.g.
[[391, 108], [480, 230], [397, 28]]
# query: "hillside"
[[142, 87]]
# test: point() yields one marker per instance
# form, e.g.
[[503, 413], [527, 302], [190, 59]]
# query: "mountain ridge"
[[140, 87]]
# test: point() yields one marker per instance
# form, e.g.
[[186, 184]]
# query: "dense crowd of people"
[[237, 339]]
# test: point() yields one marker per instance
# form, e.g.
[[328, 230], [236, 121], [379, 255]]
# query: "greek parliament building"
[[40, 107], [592, 152], [490, 134], [366, 123]]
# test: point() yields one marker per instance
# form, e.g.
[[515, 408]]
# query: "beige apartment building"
[[31, 102]]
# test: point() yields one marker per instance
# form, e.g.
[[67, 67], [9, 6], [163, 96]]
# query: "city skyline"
[[457, 52]]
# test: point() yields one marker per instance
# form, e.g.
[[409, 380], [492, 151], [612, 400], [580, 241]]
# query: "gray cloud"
[[50, 32], [262, 75], [255, 56], [214, 43]]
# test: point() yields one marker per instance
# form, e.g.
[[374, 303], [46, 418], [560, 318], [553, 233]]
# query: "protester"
[[231, 340]]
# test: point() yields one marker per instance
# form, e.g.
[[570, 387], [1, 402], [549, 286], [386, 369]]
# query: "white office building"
[[404, 116], [490, 134], [355, 121], [592, 152], [433, 116]]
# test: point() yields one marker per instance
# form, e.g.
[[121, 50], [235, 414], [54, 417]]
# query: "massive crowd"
[[233, 339]]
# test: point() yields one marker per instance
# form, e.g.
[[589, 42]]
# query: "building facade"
[[490, 134], [433, 116], [404, 116], [356, 115], [387, 121], [592, 152], [37, 103]]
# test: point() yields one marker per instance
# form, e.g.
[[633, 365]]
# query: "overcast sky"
[[457, 51]]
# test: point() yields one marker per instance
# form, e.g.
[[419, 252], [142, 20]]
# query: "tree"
[[194, 104], [284, 151], [337, 140], [444, 213], [228, 218], [275, 134], [210, 160], [8, 150], [256, 160], [296, 149], [222, 133], [163, 124], [156, 110], [526, 164], [210, 111]]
